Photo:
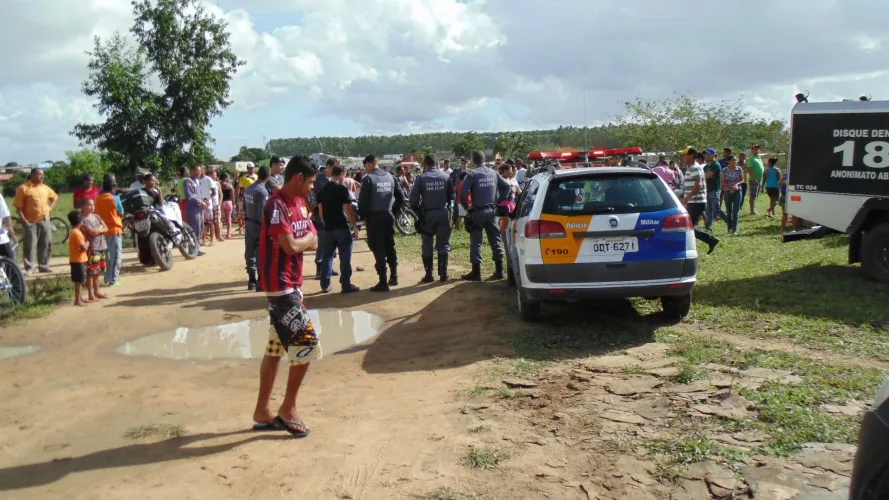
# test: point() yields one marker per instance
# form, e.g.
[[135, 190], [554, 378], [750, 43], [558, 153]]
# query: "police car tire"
[[677, 306], [875, 252], [529, 310]]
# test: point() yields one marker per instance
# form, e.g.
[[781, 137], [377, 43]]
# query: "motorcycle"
[[158, 228], [406, 221]]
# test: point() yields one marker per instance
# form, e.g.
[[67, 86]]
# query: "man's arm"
[[504, 188], [449, 190], [293, 246], [400, 198], [414, 198], [53, 199], [364, 197]]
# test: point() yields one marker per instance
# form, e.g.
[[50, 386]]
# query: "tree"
[[80, 164], [674, 123], [512, 144], [250, 154], [467, 144], [12, 164], [187, 52]]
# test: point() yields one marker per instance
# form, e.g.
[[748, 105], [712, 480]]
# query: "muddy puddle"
[[7, 352], [338, 330]]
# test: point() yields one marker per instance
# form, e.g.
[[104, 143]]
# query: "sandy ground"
[[391, 419], [384, 418]]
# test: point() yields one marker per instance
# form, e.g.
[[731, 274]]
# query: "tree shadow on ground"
[[832, 292], [32, 475], [474, 322]]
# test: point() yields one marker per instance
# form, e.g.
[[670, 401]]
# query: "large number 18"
[[876, 154]]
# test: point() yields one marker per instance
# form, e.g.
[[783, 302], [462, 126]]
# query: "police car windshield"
[[607, 193]]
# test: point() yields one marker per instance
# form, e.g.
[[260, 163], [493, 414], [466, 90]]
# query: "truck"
[[838, 177]]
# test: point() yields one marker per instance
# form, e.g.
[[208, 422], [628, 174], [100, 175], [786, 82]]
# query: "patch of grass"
[[791, 414], [448, 494], [483, 458], [675, 454], [478, 429], [633, 370], [478, 391], [506, 393], [459, 255], [688, 373], [165, 431], [804, 292], [44, 294]]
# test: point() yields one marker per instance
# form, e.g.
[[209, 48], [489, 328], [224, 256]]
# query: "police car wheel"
[[875, 252], [677, 306], [529, 310]]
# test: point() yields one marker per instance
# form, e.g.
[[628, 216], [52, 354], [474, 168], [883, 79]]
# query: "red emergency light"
[[592, 154]]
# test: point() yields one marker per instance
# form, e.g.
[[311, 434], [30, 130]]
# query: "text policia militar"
[[872, 154]]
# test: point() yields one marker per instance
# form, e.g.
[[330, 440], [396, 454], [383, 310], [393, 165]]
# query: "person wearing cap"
[[457, 177], [276, 173], [379, 199], [255, 197], [713, 176], [487, 189], [755, 170], [244, 181], [695, 196], [430, 197]]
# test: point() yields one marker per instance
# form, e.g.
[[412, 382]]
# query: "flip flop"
[[265, 426], [288, 425]]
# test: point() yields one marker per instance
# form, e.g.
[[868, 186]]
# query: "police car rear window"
[[607, 193]]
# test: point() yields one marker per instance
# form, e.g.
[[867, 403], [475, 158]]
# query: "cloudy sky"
[[349, 67]]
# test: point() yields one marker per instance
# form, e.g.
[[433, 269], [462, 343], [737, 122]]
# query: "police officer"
[[380, 196], [430, 197], [254, 198], [487, 189]]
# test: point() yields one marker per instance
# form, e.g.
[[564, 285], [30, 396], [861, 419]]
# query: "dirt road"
[[434, 408]]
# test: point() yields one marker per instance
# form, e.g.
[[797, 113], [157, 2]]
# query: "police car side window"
[[527, 201]]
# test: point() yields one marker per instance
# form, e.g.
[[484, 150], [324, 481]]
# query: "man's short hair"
[[478, 157], [447, 162], [337, 170], [727, 150], [369, 159], [299, 165], [429, 161], [331, 162], [109, 182], [74, 218], [276, 159], [263, 173]]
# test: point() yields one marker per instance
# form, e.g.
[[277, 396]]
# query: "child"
[[94, 228], [772, 180], [77, 247]]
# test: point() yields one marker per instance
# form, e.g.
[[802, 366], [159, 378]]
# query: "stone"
[[825, 462], [659, 363], [851, 409], [726, 412], [666, 372], [698, 386], [654, 409], [649, 350], [622, 417], [768, 374], [826, 480], [514, 383], [690, 490], [632, 464], [750, 437], [771, 491], [633, 386], [721, 383], [610, 364], [580, 376], [720, 368]]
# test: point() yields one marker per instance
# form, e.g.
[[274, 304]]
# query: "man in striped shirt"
[[695, 196]]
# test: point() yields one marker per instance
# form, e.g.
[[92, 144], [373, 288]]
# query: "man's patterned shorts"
[[291, 331]]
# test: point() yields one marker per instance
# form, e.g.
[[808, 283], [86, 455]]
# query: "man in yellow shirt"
[[34, 202], [244, 182]]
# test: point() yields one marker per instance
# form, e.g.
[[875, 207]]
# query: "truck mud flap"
[[815, 233]]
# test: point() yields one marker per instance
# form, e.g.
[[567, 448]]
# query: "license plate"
[[142, 225], [612, 246]]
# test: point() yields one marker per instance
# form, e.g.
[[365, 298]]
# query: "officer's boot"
[[381, 286], [251, 280], [498, 270], [443, 267], [393, 276], [427, 265], [474, 275]]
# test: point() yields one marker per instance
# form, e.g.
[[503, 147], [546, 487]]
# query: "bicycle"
[[13, 287], [58, 228]]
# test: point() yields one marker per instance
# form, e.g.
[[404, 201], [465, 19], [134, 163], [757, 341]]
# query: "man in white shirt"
[[209, 188], [7, 233]]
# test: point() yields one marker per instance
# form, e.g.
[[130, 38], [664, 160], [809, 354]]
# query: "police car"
[[600, 232]]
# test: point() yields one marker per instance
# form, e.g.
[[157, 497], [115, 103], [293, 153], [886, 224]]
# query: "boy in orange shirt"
[[77, 247]]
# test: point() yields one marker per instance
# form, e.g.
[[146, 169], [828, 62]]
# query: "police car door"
[[519, 246]]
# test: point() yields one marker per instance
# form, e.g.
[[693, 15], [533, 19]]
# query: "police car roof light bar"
[[572, 155]]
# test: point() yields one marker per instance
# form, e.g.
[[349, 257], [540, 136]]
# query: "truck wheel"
[[677, 307], [529, 310], [875, 252]]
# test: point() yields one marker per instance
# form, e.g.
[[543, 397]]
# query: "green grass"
[[791, 414], [165, 431], [448, 494], [483, 458], [677, 453], [44, 294]]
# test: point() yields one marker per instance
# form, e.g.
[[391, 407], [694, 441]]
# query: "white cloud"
[[406, 65]]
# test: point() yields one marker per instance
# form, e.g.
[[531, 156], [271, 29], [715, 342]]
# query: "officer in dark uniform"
[[254, 199], [381, 196], [430, 197], [488, 189]]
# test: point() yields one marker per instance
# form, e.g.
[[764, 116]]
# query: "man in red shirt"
[[87, 190], [287, 232]]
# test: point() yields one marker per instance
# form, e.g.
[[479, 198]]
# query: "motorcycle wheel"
[[189, 246], [163, 255], [405, 220]]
